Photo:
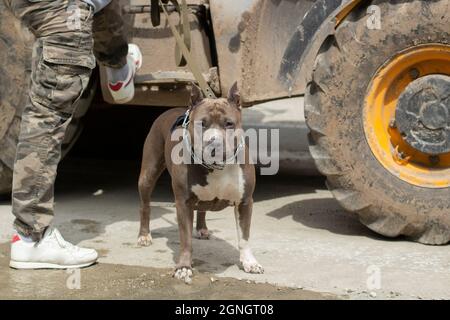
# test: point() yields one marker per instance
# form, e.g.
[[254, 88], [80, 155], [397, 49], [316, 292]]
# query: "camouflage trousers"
[[63, 58], [110, 43]]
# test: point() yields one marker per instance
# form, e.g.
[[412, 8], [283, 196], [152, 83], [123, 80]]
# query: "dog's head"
[[216, 123]]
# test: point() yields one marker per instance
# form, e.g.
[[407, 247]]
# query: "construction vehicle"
[[375, 77]]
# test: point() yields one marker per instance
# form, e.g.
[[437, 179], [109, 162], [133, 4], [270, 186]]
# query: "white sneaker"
[[52, 252], [123, 91]]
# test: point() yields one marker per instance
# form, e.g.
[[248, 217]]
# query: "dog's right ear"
[[234, 97], [196, 96]]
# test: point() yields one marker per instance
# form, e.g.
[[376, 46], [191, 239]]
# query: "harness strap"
[[185, 29], [154, 13]]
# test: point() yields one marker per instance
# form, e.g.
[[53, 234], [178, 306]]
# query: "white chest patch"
[[226, 184]]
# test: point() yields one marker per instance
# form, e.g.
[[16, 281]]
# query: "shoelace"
[[63, 243]]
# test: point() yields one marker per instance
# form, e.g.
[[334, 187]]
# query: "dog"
[[201, 185]]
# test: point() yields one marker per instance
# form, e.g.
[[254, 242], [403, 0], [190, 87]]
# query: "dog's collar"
[[196, 159]]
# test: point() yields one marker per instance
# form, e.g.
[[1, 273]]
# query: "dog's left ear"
[[196, 96], [234, 97]]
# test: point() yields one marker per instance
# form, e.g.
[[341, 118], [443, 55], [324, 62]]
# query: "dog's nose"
[[212, 137]]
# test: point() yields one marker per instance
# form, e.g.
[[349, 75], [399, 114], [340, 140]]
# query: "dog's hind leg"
[[153, 165], [201, 228]]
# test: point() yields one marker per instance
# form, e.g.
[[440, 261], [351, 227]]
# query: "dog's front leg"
[[185, 217], [243, 214]]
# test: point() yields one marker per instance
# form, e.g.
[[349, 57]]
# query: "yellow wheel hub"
[[386, 140]]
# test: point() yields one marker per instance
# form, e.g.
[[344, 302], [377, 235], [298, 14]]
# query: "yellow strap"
[[207, 91], [185, 31]]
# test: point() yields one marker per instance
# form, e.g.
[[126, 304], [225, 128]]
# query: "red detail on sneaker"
[[116, 87], [15, 238]]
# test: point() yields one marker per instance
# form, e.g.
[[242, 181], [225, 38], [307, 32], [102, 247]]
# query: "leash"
[[183, 45], [197, 160], [184, 56]]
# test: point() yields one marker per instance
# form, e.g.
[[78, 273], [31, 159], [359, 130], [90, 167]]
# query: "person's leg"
[[110, 42], [62, 63], [120, 59]]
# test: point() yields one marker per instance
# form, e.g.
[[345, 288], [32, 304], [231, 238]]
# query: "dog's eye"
[[229, 124], [201, 124]]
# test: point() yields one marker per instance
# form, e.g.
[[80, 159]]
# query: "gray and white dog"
[[201, 186]]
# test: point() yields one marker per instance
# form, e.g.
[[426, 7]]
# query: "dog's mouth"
[[214, 153], [218, 154]]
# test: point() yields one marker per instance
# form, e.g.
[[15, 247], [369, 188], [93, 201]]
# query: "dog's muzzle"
[[199, 160]]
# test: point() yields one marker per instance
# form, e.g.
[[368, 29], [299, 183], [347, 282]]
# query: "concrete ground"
[[300, 235]]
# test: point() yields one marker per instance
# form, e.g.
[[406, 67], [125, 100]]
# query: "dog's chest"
[[227, 185]]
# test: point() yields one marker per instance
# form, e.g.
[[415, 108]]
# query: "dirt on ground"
[[109, 281]]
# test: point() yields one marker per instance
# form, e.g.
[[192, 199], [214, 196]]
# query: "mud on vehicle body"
[[375, 82]]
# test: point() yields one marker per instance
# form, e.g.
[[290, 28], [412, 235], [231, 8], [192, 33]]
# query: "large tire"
[[15, 55], [335, 100]]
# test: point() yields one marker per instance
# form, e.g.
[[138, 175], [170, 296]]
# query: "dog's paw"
[[252, 267], [184, 274], [145, 241], [202, 234]]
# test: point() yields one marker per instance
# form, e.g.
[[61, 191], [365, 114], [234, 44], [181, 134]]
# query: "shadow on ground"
[[325, 214], [117, 183], [110, 281], [80, 178]]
